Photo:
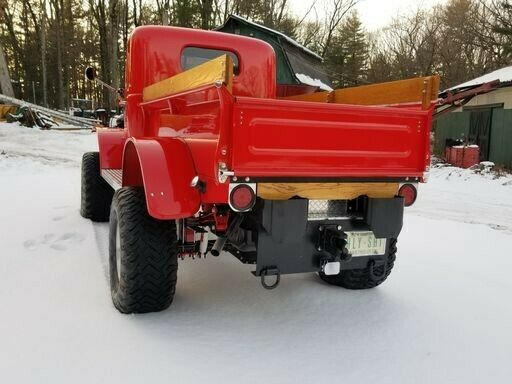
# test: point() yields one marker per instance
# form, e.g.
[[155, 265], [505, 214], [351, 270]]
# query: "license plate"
[[365, 244]]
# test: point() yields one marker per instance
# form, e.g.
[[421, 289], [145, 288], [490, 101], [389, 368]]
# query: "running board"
[[114, 177]]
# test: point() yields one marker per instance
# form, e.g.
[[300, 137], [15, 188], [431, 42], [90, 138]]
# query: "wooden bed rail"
[[422, 90], [219, 69]]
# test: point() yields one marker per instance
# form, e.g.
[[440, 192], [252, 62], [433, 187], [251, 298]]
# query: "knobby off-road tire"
[[142, 255], [96, 193], [361, 278]]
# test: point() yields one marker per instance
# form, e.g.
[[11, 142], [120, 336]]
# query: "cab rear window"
[[193, 56]]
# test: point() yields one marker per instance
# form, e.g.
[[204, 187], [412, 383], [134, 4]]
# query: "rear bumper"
[[288, 240]]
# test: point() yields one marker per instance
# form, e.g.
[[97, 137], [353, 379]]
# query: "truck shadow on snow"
[[221, 292]]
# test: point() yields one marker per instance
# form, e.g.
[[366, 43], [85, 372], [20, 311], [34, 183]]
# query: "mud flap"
[[385, 217], [283, 244]]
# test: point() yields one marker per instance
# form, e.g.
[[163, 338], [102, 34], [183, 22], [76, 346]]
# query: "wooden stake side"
[[218, 69], [417, 90], [318, 97], [422, 90]]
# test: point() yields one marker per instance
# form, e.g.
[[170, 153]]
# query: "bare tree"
[[335, 12], [411, 44]]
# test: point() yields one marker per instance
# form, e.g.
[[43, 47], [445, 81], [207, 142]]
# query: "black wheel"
[[96, 193], [142, 255], [364, 278]]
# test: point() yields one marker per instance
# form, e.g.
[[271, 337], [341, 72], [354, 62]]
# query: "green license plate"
[[365, 244]]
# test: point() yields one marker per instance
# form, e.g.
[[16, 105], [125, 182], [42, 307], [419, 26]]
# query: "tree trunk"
[[113, 46], [5, 79], [43, 54], [57, 6]]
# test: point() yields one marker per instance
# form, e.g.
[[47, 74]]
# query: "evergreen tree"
[[347, 56]]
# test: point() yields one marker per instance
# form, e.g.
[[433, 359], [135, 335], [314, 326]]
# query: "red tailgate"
[[304, 139]]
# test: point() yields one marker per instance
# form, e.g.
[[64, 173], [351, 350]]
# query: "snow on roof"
[[503, 75], [273, 31], [305, 79]]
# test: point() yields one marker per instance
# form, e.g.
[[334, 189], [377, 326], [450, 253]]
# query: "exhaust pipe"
[[218, 246]]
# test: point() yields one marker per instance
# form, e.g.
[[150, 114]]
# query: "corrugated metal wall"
[[500, 150], [451, 126], [456, 126]]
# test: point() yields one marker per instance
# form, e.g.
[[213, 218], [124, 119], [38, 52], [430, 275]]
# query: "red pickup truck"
[[212, 159]]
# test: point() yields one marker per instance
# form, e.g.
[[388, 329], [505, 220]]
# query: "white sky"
[[374, 13]]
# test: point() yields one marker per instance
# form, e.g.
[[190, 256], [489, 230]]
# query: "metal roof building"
[[486, 120], [296, 65]]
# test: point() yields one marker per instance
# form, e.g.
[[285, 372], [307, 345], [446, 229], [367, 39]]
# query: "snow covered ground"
[[444, 316]]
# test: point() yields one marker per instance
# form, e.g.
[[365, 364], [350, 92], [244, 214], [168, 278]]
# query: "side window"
[[193, 56]]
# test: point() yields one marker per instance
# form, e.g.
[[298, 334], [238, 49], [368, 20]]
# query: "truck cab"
[[212, 158]]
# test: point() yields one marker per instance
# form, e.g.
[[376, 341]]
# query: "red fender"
[[111, 143], [165, 168]]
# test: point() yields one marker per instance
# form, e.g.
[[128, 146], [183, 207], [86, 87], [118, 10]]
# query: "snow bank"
[[475, 195], [46, 146]]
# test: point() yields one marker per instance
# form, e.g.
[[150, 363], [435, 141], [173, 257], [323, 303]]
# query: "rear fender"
[[165, 168]]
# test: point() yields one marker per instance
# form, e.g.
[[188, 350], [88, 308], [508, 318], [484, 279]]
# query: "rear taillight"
[[409, 193], [242, 197]]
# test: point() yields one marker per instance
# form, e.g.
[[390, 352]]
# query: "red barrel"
[[457, 155], [471, 156], [447, 153]]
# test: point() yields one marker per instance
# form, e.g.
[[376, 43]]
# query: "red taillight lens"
[[242, 197], [409, 193]]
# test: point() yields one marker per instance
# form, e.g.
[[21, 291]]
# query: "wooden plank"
[[418, 90], [421, 89], [218, 69], [325, 191], [7, 108], [432, 90], [319, 97]]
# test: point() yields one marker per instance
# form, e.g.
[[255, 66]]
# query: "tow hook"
[[372, 264], [270, 271]]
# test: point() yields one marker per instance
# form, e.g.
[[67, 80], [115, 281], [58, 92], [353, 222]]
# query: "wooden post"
[[5, 79], [218, 69]]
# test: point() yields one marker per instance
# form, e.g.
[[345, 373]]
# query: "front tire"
[[362, 278], [96, 194], [142, 255]]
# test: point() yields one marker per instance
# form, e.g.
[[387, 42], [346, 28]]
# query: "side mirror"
[[90, 73]]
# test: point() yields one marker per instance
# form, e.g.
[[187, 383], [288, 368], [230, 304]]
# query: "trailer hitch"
[[333, 240], [270, 271]]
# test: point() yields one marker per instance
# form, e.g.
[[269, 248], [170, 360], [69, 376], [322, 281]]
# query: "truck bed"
[[282, 138]]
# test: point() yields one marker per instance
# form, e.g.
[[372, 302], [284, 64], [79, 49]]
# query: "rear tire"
[[361, 278], [96, 193], [142, 255]]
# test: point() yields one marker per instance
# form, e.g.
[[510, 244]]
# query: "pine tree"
[[347, 55]]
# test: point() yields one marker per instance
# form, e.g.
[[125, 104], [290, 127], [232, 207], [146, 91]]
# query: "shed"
[[486, 120], [296, 64]]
